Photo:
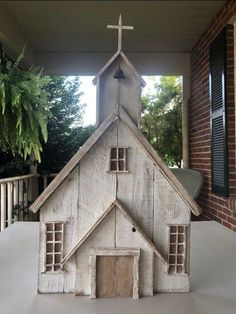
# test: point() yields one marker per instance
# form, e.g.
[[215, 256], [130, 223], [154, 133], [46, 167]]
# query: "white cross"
[[120, 27]]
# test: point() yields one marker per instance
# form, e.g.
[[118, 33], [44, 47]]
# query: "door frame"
[[135, 253]]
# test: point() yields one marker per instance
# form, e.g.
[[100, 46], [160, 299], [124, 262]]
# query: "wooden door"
[[114, 276]]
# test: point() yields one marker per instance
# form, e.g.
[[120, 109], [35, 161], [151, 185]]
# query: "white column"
[[185, 120]]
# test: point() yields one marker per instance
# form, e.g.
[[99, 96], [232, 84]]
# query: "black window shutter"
[[219, 158]]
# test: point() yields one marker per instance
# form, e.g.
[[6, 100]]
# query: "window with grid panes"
[[54, 246], [177, 249], [118, 159]]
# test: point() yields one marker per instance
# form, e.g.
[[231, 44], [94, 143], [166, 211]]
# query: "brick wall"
[[214, 207]]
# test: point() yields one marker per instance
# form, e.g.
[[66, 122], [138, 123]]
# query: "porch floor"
[[213, 278]]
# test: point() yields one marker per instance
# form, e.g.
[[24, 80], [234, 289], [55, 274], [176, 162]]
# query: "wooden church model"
[[115, 222]]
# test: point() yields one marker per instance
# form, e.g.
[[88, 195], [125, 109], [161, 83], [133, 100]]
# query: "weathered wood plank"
[[62, 206], [97, 187], [97, 239], [135, 190]]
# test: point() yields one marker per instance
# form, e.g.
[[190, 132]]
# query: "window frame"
[[54, 242], [117, 159], [184, 255]]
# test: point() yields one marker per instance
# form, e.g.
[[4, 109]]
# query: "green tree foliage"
[[161, 119], [65, 133], [24, 109]]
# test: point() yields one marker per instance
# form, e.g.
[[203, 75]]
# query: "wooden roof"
[[114, 204], [124, 117], [126, 60]]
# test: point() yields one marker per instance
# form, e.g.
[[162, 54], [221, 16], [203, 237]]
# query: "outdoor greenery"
[[43, 115], [24, 109], [65, 131], [63, 128], [161, 119]]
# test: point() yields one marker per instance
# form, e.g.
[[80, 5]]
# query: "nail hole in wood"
[[133, 229]]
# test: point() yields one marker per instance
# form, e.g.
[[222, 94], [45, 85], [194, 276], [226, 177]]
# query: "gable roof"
[[124, 212], [124, 117], [126, 60]]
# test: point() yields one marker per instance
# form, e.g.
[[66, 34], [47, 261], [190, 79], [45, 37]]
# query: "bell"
[[119, 74]]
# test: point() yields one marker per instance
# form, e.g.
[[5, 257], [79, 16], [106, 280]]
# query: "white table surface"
[[213, 278]]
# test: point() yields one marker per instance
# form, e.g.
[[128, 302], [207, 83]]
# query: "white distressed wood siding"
[[115, 231], [169, 209], [62, 206], [103, 237], [125, 237], [125, 92], [97, 188], [144, 191], [135, 190]]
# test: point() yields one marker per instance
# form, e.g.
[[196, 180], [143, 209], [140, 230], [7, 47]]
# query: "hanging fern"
[[24, 109]]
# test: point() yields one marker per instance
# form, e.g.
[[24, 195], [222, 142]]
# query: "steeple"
[[118, 83]]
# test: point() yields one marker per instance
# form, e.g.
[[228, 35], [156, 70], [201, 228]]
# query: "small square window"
[[118, 159]]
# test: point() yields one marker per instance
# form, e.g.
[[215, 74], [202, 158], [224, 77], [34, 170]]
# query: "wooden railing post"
[[3, 206], [33, 180], [9, 203]]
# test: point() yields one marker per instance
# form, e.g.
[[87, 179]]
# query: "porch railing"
[[17, 193]]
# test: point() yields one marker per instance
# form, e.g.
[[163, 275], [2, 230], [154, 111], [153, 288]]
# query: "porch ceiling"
[[64, 31]]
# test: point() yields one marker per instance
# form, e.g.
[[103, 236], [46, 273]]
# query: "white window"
[[118, 159], [54, 246], [177, 249]]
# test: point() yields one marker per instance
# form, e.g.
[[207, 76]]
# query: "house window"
[[118, 159], [177, 249], [54, 246]]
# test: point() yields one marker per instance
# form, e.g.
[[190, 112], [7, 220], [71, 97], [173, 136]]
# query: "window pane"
[[180, 249], [49, 237], [181, 229], [49, 259], [49, 247], [180, 238], [172, 259], [173, 229], [179, 269], [58, 236], [113, 166], [113, 153], [180, 259], [173, 238], [172, 249], [57, 258], [49, 227], [48, 268], [57, 247], [121, 153], [57, 267], [58, 227]]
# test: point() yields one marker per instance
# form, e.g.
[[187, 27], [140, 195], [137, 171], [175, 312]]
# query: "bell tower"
[[118, 84]]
